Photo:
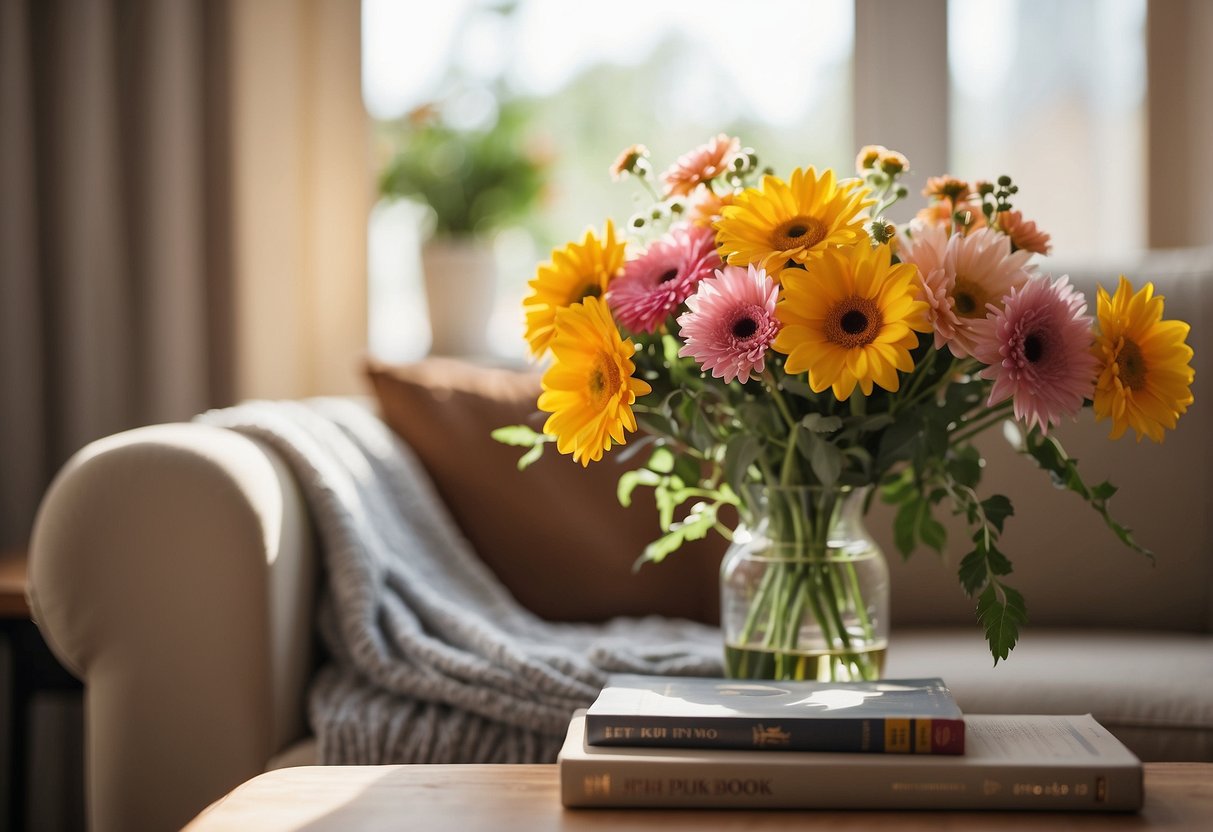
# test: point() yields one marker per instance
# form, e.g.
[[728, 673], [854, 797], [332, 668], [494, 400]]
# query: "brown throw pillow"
[[555, 533]]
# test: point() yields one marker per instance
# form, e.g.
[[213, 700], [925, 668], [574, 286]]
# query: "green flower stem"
[[991, 417], [861, 607], [773, 386], [802, 584]]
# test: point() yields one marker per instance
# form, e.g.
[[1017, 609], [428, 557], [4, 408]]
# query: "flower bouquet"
[[785, 353]]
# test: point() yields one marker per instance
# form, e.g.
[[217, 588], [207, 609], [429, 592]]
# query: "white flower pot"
[[460, 284]]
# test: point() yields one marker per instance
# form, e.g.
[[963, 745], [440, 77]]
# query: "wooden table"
[[13, 577], [526, 798]]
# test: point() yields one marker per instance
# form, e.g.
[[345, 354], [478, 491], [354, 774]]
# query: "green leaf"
[[518, 435], [662, 461], [905, 526], [997, 509], [629, 482], [899, 489], [797, 387], [1050, 455], [965, 466], [818, 423], [973, 572], [998, 562], [740, 453], [826, 461], [699, 521], [879, 421], [530, 457], [898, 442], [932, 532], [667, 494], [1001, 618]]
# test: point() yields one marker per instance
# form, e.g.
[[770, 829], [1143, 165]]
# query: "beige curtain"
[[1179, 48], [183, 195]]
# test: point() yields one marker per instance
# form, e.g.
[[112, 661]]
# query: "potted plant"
[[474, 181]]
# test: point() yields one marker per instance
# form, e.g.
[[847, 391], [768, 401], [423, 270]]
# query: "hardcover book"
[[916, 716], [1050, 763]]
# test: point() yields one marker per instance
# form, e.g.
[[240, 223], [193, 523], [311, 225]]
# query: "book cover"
[[917, 716], [1046, 763]]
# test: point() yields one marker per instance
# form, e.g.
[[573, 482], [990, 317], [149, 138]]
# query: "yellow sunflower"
[[1144, 378], [851, 320], [791, 223], [577, 271], [589, 389]]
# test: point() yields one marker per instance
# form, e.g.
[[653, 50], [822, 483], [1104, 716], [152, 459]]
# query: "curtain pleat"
[[127, 293]]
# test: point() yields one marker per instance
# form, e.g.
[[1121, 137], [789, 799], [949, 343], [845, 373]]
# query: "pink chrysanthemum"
[[962, 276], [1039, 352], [655, 284], [731, 323], [702, 164]]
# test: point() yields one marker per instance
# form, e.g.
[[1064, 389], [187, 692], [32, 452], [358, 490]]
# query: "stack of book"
[[651, 741]]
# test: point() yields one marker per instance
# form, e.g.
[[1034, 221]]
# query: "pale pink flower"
[[962, 275], [730, 323], [1039, 352], [654, 285], [700, 165]]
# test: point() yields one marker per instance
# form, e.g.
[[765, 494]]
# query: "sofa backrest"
[[556, 536]]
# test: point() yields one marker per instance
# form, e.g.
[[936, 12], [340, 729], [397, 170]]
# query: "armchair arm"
[[172, 568]]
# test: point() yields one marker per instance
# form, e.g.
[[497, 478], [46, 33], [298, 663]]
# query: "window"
[[601, 76], [1054, 95], [1051, 93]]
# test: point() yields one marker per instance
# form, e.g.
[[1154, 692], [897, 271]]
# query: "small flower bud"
[[631, 160], [1004, 180], [902, 192], [677, 207], [882, 231], [894, 163], [637, 221], [869, 157]]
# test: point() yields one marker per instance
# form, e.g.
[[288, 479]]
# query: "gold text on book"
[[774, 735]]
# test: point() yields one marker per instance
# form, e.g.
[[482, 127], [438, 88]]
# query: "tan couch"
[[174, 570]]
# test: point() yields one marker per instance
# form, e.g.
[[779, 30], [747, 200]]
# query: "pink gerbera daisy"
[[731, 323], [962, 276], [702, 164], [1039, 352], [654, 285]]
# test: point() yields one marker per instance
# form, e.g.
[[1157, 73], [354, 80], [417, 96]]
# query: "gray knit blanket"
[[430, 659]]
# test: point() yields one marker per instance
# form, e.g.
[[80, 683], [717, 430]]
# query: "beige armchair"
[[174, 570]]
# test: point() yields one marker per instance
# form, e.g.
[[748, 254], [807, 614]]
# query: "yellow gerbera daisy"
[[787, 223], [589, 389], [577, 271], [851, 320], [1144, 379]]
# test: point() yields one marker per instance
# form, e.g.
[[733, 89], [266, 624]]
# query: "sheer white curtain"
[[183, 195]]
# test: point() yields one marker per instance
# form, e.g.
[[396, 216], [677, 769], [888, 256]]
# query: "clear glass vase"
[[804, 588]]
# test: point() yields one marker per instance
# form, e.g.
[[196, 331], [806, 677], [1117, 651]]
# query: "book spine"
[[890, 736], [605, 783]]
